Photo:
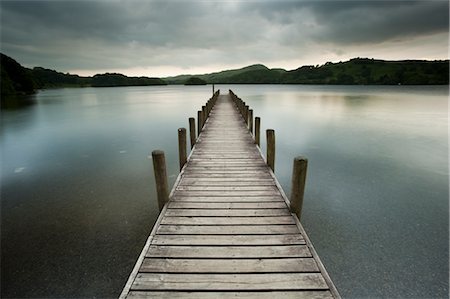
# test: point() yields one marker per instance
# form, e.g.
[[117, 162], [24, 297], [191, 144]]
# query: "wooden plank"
[[226, 295], [227, 205], [198, 155], [226, 175], [232, 193], [227, 212], [193, 181], [228, 240], [226, 162], [230, 173], [228, 168], [227, 229], [228, 220], [248, 187], [226, 252], [210, 182], [286, 265], [272, 281], [179, 197]]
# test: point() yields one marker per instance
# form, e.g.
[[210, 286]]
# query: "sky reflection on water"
[[78, 190]]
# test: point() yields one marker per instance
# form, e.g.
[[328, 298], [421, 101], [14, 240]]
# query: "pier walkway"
[[227, 231]]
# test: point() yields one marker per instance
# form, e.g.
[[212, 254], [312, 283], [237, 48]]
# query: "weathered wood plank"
[[227, 168], [228, 240], [226, 295], [230, 172], [226, 252], [223, 158], [193, 181], [223, 193], [227, 205], [212, 198], [219, 182], [225, 175], [210, 155], [227, 212], [248, 187], [286, 265], [272, 281], [228, 220], [227, 229]]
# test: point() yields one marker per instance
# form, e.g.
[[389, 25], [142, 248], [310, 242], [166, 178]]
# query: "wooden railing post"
[[250, 120], [246, 114], [270, 135], [257, 130], [199, 122], [159, 168], [205, 115], [192, 130], [182, 146], [298, 184]]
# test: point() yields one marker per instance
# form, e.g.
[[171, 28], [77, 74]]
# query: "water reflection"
[[78, 191]]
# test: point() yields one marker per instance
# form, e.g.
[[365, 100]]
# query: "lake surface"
[[78, 196]]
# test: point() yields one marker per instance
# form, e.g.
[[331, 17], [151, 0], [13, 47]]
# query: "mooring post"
[[182, 146], [159, 168], [270, 135], [205, 115], [257, 130], [199, 122], [192, 130], [298, 184], [250, 120], [246, 114]]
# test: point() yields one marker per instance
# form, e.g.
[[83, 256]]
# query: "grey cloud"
[[123, 34], [371, 22]]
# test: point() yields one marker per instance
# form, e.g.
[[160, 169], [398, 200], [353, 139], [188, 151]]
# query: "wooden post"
[[270, 135], [257, 130], [192, 130], [159, 167], [213, 88], [246, 114], [250, 120], [298, 184], [199, 122], [205, 115], [182, 146]]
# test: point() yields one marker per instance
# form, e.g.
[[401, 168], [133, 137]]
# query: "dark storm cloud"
[[378, 21], [125, 34], [360, 21]]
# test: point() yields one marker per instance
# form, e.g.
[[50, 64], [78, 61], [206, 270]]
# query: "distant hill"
[[111, 80], [195, 81], [219, 77], [371, 71], [18, 81], [46, 78], [15, 79], [355, 71]]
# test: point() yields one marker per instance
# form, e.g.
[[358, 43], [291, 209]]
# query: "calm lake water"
[[78, 197]]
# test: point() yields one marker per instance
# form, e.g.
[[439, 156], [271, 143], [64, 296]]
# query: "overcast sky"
[[161, 38]]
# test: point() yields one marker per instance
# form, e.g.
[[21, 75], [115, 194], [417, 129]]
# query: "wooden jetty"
[[226, 229]]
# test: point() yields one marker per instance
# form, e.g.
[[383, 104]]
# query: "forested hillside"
[[354, 71]]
